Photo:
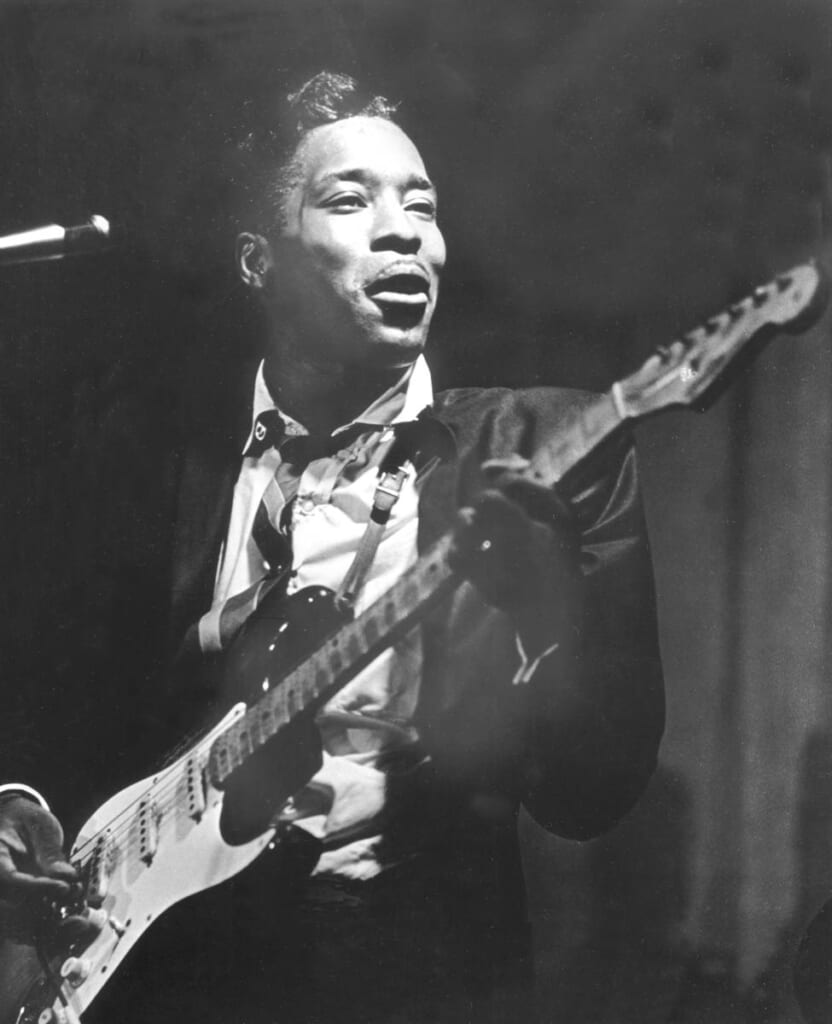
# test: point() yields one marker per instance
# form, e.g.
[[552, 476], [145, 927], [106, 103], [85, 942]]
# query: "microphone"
[[54, 242]]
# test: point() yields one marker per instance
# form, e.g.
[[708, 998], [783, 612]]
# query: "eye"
[[423, 207], [345, 201]]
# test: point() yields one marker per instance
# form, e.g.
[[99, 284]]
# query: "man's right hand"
[[33, 868]]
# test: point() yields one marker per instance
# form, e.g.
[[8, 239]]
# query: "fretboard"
[[342, 655]]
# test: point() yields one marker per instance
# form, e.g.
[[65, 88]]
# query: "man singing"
[[394, 892]]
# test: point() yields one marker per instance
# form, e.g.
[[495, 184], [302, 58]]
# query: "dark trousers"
[[416, 945]]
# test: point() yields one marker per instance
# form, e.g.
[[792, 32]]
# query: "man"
[[395, 891]]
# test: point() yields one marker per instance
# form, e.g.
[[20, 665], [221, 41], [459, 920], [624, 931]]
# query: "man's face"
[[357, 268]]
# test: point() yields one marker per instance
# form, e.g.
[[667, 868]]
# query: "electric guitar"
[[195, 822]]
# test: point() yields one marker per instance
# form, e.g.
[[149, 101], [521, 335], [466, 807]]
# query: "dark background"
[[610, 172]]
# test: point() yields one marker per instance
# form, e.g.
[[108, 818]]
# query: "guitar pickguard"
[[148, 847]]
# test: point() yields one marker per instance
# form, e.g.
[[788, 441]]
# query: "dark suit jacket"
[[576, 745]]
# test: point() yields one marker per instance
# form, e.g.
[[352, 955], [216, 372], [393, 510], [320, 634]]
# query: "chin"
[[397, 347]]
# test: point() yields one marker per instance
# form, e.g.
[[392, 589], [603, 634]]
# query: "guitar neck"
[[584, 430], [351, 647]]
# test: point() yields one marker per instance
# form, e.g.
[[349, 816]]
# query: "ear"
[[254, 259]]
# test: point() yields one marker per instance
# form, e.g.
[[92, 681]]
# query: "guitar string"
[[128, 818], [176, 777], [305, 675], [116, 828], [302, 674], [305, 678], [358, 627]]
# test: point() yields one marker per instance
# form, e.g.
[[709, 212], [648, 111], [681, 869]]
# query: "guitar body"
[[153, 844], [174, 834]]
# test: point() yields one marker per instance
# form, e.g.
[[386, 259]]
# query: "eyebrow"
[[365, 177]]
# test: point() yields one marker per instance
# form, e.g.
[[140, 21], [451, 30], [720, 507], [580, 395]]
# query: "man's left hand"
[[527, 567]]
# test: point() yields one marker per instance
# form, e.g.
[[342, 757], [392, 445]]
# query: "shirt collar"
[[412, 393]]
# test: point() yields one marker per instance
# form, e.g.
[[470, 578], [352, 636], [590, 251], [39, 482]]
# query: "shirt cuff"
[[528, 667], [10, 789]]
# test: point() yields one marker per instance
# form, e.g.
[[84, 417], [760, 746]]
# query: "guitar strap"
[[391, 477]]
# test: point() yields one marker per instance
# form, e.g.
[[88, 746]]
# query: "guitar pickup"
[[194, 788], [99, 869], [148, 820]]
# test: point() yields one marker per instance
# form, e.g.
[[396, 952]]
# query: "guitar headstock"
[[679, 373]]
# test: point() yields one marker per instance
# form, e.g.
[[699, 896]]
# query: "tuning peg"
[[783, 282], [713, 324], [663, 352], [760, 296], [736, 311]]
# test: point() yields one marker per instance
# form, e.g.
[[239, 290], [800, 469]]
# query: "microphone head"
[[53, 241]]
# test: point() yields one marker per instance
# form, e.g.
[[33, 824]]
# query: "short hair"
[[269, 154]]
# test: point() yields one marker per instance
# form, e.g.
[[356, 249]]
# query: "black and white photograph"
[[415, 512]]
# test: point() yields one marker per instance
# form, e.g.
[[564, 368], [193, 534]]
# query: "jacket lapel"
[[208, 469]]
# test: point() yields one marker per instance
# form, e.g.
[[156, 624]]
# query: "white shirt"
[[372, 713]]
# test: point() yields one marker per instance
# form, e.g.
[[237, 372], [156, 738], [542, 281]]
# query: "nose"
[[394, 228]]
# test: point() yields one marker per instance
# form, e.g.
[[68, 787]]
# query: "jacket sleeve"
[[578, 742], [595, 706]]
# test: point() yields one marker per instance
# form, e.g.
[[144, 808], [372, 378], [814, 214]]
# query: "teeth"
[[418, 299]]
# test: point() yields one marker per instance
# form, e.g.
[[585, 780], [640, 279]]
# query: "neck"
[[325, 397]]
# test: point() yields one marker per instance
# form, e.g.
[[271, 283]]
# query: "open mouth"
[[402, 298], [405, 288]]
